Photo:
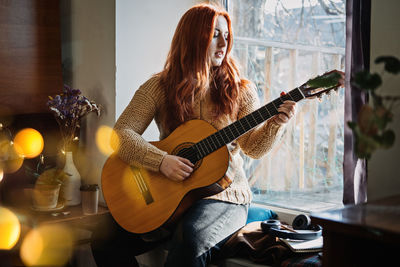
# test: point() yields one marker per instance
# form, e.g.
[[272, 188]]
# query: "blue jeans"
[[202, 231], [196, 240]]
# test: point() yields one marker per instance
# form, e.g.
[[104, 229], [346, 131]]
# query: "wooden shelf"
[[361, 235]]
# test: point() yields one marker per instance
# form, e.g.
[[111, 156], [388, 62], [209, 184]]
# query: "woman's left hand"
[[286, 111]]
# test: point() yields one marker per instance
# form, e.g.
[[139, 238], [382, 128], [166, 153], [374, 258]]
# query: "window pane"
[[280, 45]]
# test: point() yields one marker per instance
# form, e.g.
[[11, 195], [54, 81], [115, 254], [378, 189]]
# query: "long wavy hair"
[[188, 70]]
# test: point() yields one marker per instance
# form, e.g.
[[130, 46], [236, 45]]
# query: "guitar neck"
[[243, 125]]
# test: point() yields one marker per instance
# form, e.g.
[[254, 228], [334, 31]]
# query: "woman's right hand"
[[176, 168]]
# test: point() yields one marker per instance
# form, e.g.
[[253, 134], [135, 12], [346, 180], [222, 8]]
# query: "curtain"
[[358, 17]]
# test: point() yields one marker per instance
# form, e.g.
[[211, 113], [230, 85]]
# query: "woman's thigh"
[[208, 222]]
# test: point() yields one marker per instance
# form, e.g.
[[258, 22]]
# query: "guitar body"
[[142, 201]]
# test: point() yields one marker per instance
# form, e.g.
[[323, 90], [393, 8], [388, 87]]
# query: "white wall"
[[384, 167], [144, 31], [88, 58]]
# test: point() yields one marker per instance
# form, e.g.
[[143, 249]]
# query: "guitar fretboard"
[[243, 125]]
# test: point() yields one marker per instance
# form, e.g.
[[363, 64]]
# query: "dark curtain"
[[358, 21]]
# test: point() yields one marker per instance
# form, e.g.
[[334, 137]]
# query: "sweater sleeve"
[[258, 141], [130, 146]]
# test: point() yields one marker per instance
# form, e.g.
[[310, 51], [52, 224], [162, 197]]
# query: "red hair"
[[188, 70]]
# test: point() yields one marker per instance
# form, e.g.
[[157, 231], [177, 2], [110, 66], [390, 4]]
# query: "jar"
[[90, 198]]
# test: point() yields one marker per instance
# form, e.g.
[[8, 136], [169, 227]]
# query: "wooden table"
[[361, 235], [71, 214], [72, 217]]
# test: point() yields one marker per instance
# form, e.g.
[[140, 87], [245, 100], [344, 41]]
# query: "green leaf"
[[392, 64], [52, 176], [325, 81], [387, 139], [352, 124], [366, 145], [367, 81]]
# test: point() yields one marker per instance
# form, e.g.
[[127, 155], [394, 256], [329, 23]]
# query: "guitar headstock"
[[322, 84]]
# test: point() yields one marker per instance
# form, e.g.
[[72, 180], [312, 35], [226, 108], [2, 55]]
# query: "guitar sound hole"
[[185, 150]]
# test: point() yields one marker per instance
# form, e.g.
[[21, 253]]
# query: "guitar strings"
[[189, 153]]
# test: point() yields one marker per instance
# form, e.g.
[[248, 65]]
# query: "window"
[[281, 44]]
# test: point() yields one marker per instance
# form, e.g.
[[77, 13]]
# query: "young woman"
[[200, 80]]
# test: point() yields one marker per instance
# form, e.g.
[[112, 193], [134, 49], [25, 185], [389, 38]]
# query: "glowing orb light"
[[30, 142], [47, 245], [10, 229], [10, 160], [104, 136]]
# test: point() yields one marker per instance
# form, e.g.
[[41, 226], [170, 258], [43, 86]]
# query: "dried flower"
[[69, 108]]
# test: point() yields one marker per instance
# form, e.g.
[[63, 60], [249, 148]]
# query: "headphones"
[[302, 229]]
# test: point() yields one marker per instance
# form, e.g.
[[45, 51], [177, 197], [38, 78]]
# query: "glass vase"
[[72, 184]]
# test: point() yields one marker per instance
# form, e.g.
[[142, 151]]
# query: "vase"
[[72, 184]]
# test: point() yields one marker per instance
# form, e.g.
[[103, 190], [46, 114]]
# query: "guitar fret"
[[236, 129], [277, 102], [213, 145], [214, 142], [204, 147], [271, 109], [261, 115], [266, 110], [198, 147], [220, 139], [252, 116], [244, 130], [296, 94], [248, 123], [231, 131], [209, 145], [290, 95], [227, 140]]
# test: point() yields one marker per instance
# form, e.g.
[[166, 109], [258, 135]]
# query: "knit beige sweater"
[[149, 102]]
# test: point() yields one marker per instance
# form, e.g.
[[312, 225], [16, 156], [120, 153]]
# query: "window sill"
[[284, 215]]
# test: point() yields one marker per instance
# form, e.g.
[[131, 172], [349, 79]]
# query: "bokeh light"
[[10, 160], [47, 245], [10, 229], [1, 173], [30, 142], [104, 136]]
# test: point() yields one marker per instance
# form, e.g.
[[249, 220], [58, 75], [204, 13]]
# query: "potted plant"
[[69, 108], [371, 129], [46, 192]]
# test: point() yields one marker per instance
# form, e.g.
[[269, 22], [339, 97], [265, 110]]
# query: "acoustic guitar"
[[142, 201]]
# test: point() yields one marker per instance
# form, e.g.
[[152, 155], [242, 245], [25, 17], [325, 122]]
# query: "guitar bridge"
[[142, 185]]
